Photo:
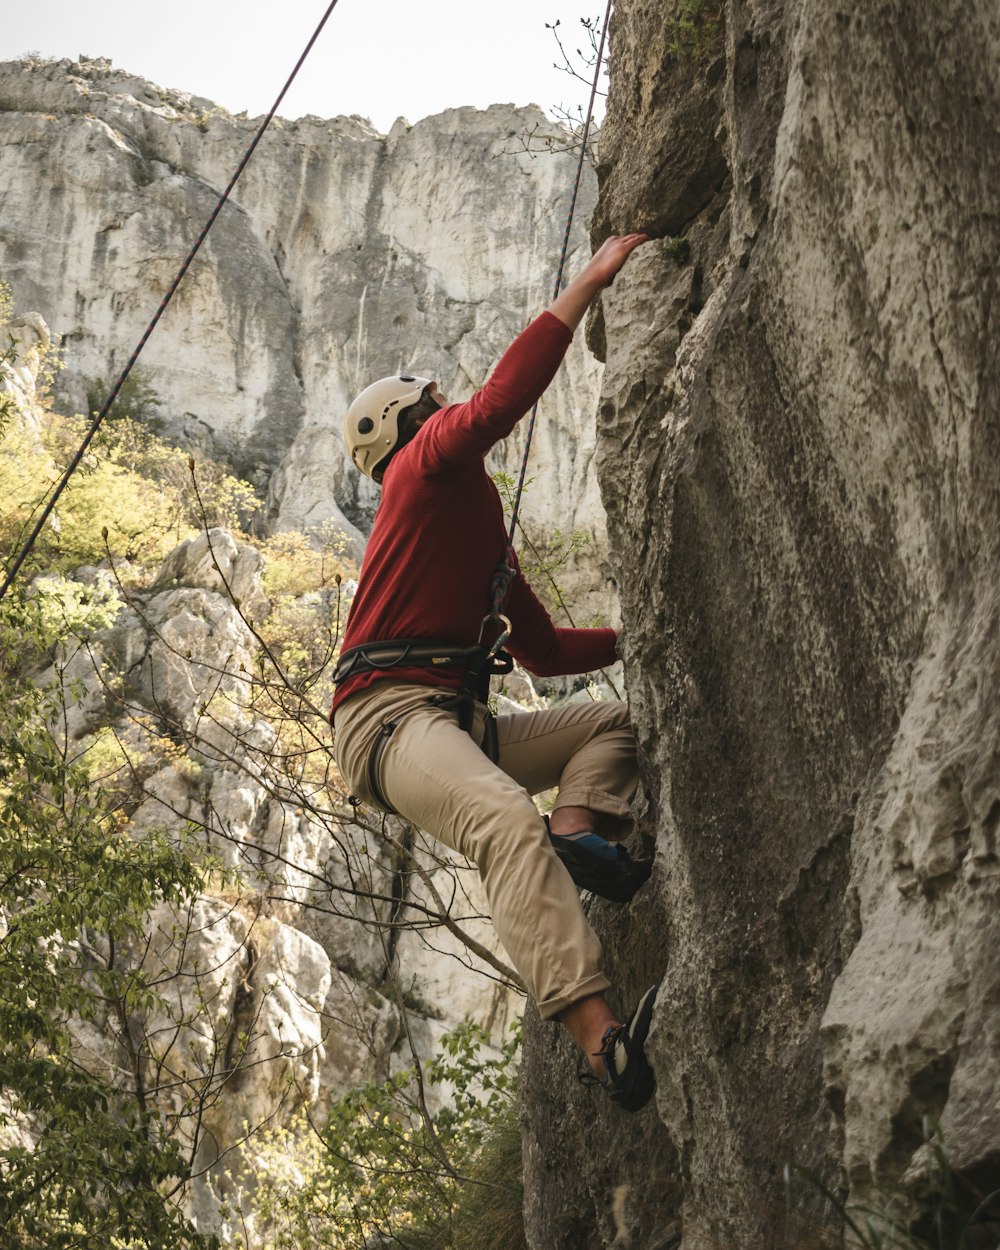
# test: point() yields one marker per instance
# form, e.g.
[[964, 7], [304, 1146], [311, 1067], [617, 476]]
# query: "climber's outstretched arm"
[[570, 305]]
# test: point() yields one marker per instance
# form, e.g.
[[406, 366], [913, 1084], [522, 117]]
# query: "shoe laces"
[[609, 1040]]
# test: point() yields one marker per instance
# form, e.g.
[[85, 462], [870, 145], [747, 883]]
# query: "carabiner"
[[505, 633]]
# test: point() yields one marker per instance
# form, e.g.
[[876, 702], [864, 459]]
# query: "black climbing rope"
[[99, 419], [504, 572], [562, 259]]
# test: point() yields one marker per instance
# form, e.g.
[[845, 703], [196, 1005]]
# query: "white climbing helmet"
[[371, 430]]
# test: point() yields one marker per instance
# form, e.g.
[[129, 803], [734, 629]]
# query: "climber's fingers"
[[612, 255]]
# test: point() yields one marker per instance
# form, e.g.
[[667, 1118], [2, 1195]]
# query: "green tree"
[[85, 1161], [138, 398]]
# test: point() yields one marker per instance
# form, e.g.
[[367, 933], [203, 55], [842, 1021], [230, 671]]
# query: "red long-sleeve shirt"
[[439, 534]]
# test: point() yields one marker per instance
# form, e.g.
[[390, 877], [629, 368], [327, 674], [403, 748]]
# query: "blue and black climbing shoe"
[[602, 867], [630, 1076]]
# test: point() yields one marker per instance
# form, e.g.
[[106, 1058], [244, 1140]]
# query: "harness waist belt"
[[416, 653], [478, 664]]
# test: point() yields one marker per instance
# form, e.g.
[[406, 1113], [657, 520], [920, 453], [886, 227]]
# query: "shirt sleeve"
[[547, 650], [462, 433]]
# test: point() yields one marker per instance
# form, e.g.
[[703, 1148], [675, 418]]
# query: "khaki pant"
[[435, 775]]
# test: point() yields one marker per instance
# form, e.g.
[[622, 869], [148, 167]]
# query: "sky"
[[380, 58]]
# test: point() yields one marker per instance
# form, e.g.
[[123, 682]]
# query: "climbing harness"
[[61, 485], [481, 662], [477, 665]]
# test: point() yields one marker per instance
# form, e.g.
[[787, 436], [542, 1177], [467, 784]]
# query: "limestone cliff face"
[[344, 255], [798, 444]]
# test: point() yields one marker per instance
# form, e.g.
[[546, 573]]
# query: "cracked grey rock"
[[797, 445]]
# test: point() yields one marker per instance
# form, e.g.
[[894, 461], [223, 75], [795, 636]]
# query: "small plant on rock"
[[137, 399]]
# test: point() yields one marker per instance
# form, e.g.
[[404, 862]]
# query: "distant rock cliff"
[[799, 434], [344, 255]]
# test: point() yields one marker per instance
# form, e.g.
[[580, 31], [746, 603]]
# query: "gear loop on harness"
[[478, 664]]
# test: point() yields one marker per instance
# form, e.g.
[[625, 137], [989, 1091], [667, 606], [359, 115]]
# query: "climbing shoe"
[[630, 1077], [602, 867]]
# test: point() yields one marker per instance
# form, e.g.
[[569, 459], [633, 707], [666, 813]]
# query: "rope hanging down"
[[562, 260], [98, 420]]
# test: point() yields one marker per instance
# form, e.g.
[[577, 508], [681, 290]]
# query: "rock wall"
[[25, 342], [798, 439], [344, 255]]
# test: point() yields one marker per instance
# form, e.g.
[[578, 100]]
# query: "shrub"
[[299, 563], [133, 495], [137, 398], [90, 1163], [384, 1172]]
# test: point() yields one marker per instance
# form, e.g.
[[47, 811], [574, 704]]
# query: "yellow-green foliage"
[[65, 607], [101, 1162], [25, 470], [132, 495], [299, 563], [301, 638], [380, 1173], [304, 579], [119, 763]]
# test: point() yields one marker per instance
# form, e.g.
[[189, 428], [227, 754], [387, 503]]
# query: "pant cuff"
[[614, 815], [596, 984]]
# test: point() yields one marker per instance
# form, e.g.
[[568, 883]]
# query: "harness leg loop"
[[386, 730]]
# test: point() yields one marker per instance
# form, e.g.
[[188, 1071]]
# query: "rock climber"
[[413, 732]]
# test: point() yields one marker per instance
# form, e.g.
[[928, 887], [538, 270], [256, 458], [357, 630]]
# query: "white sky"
[[380, 58]]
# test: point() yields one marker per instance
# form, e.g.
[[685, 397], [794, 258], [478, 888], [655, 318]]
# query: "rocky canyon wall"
[[343, 255], [798, 440]]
